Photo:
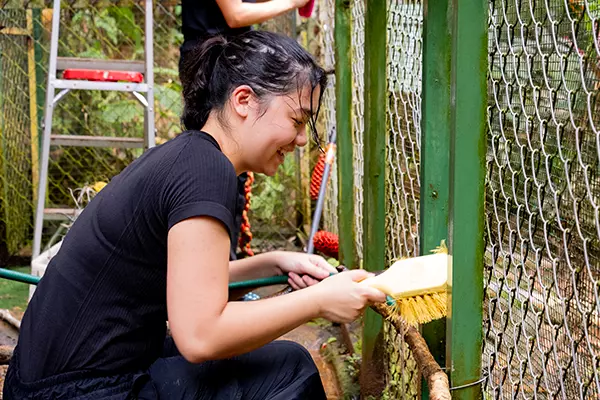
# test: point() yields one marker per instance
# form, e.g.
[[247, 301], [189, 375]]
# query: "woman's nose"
[[301, 138]]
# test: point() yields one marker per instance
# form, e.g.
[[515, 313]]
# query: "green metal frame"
[[467, 194], [435, 150], [374, 240], [343, 115]]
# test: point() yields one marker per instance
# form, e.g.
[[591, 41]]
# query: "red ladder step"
[[103, 76]]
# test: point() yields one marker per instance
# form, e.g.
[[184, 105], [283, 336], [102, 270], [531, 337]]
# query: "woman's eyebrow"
[[303, 111]]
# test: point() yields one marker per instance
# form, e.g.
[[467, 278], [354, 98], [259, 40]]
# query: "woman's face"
[[276, 128]]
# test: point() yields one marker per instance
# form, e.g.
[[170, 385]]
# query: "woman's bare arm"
[[240, 14]]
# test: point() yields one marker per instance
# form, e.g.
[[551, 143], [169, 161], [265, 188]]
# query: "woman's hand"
[[302, 269], [342, 299]]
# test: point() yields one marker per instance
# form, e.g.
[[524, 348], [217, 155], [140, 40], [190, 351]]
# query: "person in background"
[[203, 19]]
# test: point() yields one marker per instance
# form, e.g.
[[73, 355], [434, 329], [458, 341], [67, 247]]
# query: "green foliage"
[[111, 32], [333, 262], [346, 368], [169, 100], [271, 195], [124, 111]]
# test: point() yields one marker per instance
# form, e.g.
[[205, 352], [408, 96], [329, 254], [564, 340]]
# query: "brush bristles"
[[420, 309]]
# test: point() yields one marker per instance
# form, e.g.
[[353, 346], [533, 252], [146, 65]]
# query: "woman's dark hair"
[[271, 64]]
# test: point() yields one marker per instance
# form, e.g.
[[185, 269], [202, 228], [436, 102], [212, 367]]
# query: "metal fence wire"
[[404, 55], [542, 264], [88, 29], [103, 30], [358, 114], [15, 133], [402, 172]]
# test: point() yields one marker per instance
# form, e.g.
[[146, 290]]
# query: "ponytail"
[[196, 77]]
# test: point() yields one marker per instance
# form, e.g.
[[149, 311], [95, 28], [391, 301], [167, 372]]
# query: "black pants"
[[281, 370]]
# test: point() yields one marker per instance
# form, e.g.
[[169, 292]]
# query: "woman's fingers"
[[296, 281]]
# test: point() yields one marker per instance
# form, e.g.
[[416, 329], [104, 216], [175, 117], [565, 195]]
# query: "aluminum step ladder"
[[136, 77]]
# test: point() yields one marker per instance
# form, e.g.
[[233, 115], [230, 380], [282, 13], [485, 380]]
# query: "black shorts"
[[281, 370]]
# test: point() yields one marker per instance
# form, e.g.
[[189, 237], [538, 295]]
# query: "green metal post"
[[374, 156], [467, 195], [343, 115], [435, 149]]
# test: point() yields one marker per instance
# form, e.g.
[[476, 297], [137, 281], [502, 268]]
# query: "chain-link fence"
[[542, 305], [102, 30], [15, 131], [108, 30], [405, 22], [542, 302], [403, 142]]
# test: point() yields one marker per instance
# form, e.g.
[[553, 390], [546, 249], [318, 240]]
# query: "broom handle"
[[316, 220]]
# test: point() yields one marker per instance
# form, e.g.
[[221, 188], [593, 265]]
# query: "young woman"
[[153, 246], [203, 19]]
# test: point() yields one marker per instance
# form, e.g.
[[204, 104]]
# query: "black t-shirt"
[[101, 304], [203, 18]]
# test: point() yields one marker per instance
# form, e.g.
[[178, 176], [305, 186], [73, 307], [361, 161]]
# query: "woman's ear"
[[241, 100]]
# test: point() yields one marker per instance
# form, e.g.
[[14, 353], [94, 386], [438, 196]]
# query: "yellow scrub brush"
[[417, 286]]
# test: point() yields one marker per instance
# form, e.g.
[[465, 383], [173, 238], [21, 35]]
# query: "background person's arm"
[[240, 14]]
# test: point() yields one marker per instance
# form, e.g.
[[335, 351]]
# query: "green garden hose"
[[19, 276], [253, 283]]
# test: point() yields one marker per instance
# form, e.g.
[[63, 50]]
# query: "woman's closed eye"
[[299, 122]]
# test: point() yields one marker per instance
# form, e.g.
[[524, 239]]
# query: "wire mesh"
[[104, 30], [330, 216], [110, 31], [15, 134], [542, 276], [89, 29], [358, 88], [405, 22]]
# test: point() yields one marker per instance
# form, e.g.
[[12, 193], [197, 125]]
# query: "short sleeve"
[[202, 182]]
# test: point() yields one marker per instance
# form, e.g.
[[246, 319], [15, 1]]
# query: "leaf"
[[168, 99], [125, 21], [92, 52], [122, 111], [172, 72], [333, 262], [108, 24]]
